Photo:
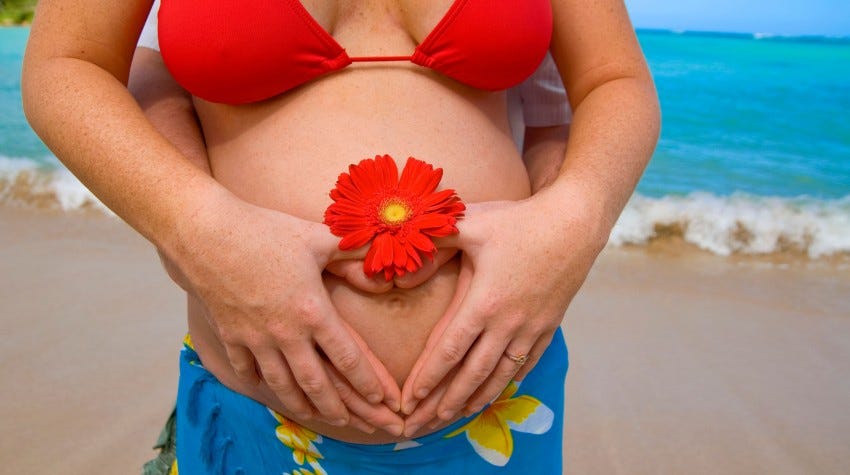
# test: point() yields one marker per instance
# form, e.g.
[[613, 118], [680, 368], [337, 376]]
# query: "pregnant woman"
[[282, 357]]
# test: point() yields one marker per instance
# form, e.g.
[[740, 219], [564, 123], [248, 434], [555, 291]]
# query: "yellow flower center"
[[394, 212]]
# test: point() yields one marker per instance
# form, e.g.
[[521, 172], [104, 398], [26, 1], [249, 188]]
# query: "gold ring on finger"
[[519, 359]]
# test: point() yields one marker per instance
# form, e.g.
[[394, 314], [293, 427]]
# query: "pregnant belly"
[[395, 325], [286, 154]]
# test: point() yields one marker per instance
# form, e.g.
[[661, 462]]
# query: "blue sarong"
[[221, 432]]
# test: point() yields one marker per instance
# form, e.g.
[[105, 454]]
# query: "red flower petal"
[[371, 263], [383, 245], [419, 177], [360, 214], [356, 239], [389, 172], [431, 221], [399, 254], [363, 177], [420, 242]]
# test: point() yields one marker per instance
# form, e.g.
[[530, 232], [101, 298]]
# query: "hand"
[[425, 413], [529, 258], [258, 274], [352, 271]]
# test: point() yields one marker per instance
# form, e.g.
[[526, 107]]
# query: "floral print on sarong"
[[302, 442], [489, 433]]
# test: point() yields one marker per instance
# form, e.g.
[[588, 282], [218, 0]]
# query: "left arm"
[[531, 257]]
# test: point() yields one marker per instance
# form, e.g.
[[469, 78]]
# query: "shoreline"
[[775, 229], [681, 361]]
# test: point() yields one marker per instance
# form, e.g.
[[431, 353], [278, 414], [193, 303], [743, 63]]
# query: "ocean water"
[[754, 155]]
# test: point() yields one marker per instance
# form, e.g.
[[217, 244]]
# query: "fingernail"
[[410, 407], [411, 429], [374, 398], [368, 429], [339, 422], [395, 429], [434, 424], [422, 393], [446, 414], [305, 416], [471, 410], [393, 404]]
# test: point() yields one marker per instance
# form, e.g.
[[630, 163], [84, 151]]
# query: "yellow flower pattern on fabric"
[[490, 432], [173, 470], [301, 441], [303, 471]]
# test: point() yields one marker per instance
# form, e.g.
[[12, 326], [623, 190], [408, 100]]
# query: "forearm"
[[85, 115], [612, 137], [543, 154]]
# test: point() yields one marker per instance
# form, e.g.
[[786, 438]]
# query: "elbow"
[[31, 93], [653, 112]]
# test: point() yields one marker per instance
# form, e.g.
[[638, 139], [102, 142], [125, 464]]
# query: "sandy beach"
[[681, 361]]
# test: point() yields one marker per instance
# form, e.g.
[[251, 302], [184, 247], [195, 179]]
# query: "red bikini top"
[[236, 52]]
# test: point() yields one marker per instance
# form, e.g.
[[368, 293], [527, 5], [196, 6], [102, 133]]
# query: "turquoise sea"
[[754, 155]]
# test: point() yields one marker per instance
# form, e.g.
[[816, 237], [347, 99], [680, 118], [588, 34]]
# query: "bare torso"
[[286, 153]]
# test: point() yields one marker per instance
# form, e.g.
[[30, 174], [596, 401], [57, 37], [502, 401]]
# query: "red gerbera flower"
[[398, 216]]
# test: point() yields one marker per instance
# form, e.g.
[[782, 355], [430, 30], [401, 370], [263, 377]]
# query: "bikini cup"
[[243, 51]]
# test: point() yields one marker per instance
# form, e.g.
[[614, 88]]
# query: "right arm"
[[257, 271]]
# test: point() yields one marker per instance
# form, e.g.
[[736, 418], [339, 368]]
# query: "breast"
[[489, 45], [237, 52], [252, 50]]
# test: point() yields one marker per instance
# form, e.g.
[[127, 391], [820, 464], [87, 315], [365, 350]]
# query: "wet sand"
[[681, 362]]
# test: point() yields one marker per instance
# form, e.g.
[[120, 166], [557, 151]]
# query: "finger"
[[471, 232], [373, 415], [429, 267], [392, 393], [278, 378], [486, 358], [352, 272], [449, 352], [535, 354], [451, 348], [325, 246], [338, 342], [376, 383], [426, 410], [359, 424], [337, 254], [408, 400], [310, 375], [459, 240], [243, 364], [506, 372]]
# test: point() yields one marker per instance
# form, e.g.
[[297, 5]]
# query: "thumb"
[[352, 272], [472, 232], [326, 245]]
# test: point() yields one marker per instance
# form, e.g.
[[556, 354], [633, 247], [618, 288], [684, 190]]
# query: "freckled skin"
[[278, 163]]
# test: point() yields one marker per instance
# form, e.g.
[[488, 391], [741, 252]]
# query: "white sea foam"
[[739, 223], [720, 224], [44, 184]]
